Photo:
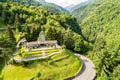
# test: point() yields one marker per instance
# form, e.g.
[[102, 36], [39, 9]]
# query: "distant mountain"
[[101, 19], [73, 7], [49, 6], [85, 10], [41, 1], [69, 8]]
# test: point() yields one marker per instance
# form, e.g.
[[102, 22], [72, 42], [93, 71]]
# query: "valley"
[[79, 42]]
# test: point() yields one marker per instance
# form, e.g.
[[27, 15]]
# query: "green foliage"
[[85, 10], [49, 6], [38, 18], [58, 70], [115, 74], [31, 34], [68, 40], [3, 0], [4, 16], [30, 21], [1, 64], [38, 75], [79, 44], [95, 24], [7, 47], [51, 33], [100, 28], [10, 35], [6, 43]]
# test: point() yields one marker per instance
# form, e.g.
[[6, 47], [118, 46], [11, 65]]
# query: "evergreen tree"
[[17, 19], [10, 34]]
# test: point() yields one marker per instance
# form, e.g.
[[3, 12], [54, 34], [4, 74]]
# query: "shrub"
[[12, 61], [38, 74]]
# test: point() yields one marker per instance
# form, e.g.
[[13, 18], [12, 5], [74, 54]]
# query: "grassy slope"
[[60, 66], [38, 52]]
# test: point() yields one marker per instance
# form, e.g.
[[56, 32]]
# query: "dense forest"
[[94, 31], [99, 22], [30, 20], [86, 9]]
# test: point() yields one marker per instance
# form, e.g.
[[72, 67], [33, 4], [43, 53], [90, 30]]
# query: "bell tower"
[[41, 36]]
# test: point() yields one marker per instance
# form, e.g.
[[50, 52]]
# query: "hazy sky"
[[65, 3]]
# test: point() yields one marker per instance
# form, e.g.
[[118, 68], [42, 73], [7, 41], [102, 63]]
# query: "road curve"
[[87, 72]]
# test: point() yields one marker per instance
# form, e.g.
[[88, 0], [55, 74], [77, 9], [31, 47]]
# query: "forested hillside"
[[84, 10], [101, 26], [28, 21], [74, 7], [49, 6], [33, 19]]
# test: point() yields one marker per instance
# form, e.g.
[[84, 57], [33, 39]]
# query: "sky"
[[65, 3]]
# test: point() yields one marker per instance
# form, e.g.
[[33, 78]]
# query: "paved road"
[[88, 71]]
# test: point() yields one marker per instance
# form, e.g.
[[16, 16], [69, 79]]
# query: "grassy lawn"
[[34, 52], [51, 51], [58, 67], [30, 53]]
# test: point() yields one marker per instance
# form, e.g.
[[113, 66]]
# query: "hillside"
[[56, 67], [49, 6], [85, 9], [36, 18], [100, 19], [73, 7], [101, 28], [95, 33], [28, 22]]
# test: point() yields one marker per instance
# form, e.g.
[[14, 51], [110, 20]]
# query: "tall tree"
[[108, 62], [17, 19], [68, 39], [4, 16], [78, 44], [4, 55], [10, 34]]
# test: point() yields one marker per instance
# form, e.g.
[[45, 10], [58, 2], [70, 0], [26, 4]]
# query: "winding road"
[[87, 72]]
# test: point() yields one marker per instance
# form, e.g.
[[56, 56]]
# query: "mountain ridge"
[[72, 7], [49, 6]]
